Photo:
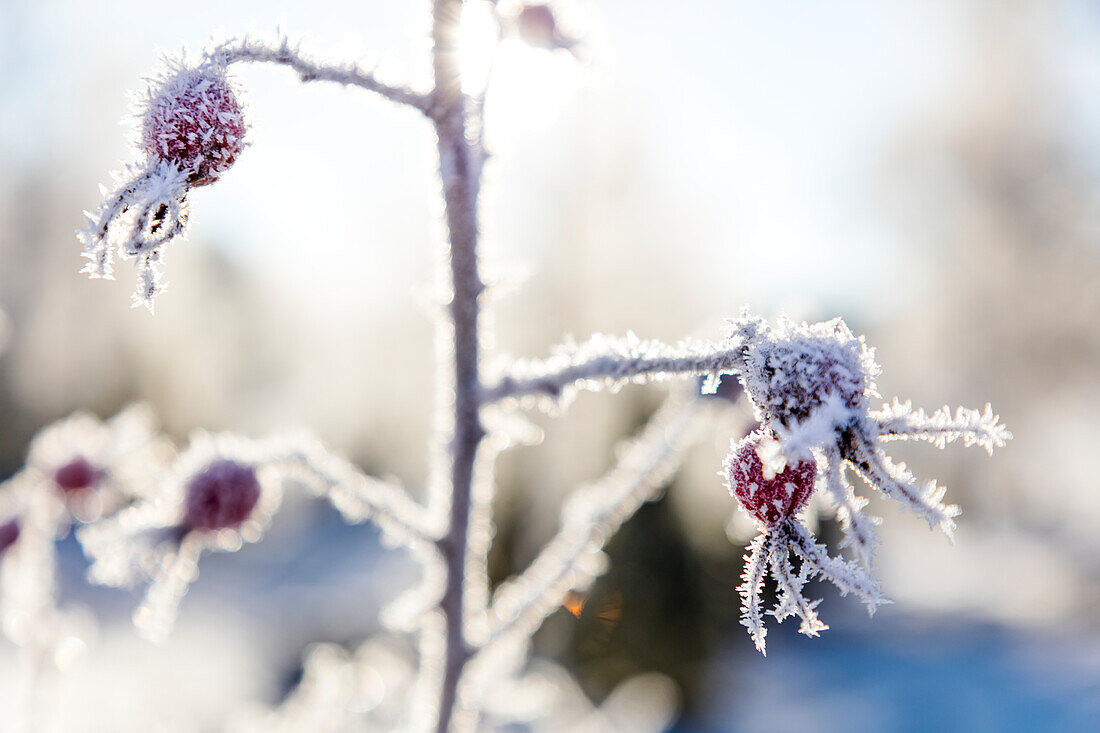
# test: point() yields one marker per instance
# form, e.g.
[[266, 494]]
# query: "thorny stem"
[[309, 70], [605, 360], [460, 172]]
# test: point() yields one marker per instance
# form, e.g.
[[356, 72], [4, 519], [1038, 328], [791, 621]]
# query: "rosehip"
[[194, 121], [221, 496], [76, 475], [770, 500]]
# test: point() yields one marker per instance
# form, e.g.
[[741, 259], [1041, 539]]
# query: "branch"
[[590, 517], [357, 496], [610, 362], [346, 73]]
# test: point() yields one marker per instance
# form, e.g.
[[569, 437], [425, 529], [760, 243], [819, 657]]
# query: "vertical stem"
[[459, 171]]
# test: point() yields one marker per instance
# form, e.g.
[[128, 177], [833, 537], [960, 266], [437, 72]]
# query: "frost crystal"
[[190, 131], [810, 386], [193, 120]]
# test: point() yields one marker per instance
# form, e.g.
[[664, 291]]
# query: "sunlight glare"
[[479, 34], [531, 86]]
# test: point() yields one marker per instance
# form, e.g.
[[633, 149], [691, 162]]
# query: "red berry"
[[769, 500], [9, 534], [77, 475], [221, 496], [195, 122]]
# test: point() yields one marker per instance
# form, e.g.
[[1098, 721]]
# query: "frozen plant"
[[189, 131], [810, 385]]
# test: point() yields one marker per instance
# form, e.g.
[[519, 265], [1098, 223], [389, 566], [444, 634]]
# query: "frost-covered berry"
[[220, 496], [795, 369], [189, 129], [769, 499], [77, 475], [9, 535], [194, 121]]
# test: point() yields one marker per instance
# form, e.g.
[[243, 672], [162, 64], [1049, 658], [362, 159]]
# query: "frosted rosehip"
[[770, 500], [220, 496], [194, 121], [9, 535], [77, 475]]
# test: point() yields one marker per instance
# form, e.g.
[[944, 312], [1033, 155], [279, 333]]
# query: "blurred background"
[[929, 171]]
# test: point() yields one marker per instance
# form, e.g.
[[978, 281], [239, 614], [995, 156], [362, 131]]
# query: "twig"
[[348, 74], [611, 361], [591, 516]]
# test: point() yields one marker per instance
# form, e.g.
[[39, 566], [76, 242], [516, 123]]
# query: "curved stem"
[[308, 69]]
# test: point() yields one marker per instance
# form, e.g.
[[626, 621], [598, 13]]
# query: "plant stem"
[[459, 170]]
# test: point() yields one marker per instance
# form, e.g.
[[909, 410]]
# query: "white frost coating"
[[770, 553], [898, 421], [859, 528], [189, 105], [125, 451], [148, 542], [791, 601], [591, 515], [810, 385], [366, 690], [116, 458], [756, 566], [281, 51], [609, 362], [357, 496]]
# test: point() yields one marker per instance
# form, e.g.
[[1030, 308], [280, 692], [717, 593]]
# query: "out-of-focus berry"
[[536, 26], [220, 496], [77, 475]]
